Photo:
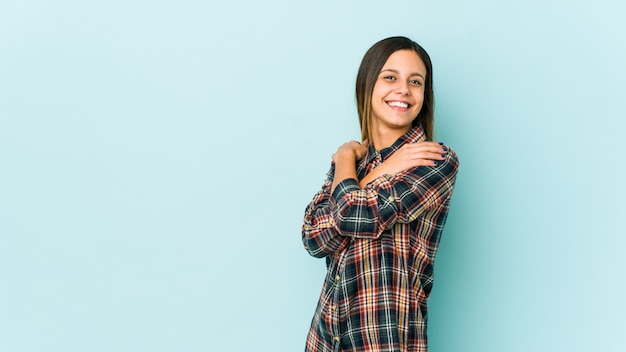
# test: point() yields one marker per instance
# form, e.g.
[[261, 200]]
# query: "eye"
[[389, 78], [415, 82]]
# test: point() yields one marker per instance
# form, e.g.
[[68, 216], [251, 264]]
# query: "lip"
[[395, 107]]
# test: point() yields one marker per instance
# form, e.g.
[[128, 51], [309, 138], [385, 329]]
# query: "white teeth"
[[398, 104]]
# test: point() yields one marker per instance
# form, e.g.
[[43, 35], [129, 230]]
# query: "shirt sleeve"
[[366, 213], [319, 233]]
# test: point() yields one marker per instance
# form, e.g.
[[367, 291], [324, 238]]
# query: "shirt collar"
[[415, 134]]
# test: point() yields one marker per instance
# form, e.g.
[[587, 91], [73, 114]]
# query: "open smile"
[[398, 104]]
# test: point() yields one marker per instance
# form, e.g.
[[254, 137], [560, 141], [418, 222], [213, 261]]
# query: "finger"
[[428, 156], [427, 147], [425, 162], [428, 144]]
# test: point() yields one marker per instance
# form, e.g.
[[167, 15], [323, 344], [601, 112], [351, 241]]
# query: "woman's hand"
[[408, 156], [415, 154], [350, 150], [345, 161]]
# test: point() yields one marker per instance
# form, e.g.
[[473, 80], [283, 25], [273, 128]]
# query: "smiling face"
[[398, 93]]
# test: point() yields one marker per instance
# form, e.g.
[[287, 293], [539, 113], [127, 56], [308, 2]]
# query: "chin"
[[401, 123]]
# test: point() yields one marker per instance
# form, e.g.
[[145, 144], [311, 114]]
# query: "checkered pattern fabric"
[[379, 244]]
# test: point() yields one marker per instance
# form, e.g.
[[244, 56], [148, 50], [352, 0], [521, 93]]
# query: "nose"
[[403, 89]]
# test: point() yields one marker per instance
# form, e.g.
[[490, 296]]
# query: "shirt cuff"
[[345, 186]]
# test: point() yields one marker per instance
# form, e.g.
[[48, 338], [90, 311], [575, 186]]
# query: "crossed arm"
[[408, 156], [399, 189]]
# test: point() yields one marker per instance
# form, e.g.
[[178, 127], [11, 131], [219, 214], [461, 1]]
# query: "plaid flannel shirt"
[[380, 244]]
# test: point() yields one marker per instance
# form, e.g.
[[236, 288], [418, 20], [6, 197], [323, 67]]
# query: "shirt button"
[[391, 199], [334, 307], [337, 339], [337, 278]]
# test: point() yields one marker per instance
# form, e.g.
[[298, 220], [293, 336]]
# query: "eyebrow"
[[397, 72]]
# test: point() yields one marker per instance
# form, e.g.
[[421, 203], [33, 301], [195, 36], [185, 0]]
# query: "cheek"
[[377, 93], [419, 97], [418, 106]]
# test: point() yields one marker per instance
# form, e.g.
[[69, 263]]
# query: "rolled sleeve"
[[366, 213], [319, 233], [357, 212]]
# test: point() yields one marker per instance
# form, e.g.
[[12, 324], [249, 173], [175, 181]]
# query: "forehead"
[[405, 61]]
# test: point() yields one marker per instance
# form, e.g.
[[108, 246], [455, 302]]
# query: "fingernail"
[[445, 149], [435, 162], [443, 155], [440, 143]]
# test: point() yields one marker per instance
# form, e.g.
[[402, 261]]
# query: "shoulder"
[[445, 170], [452, 158]]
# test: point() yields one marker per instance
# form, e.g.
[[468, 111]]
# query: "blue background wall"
[[156, 158]]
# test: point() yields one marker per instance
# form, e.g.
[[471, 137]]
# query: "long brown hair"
[[370, 68]]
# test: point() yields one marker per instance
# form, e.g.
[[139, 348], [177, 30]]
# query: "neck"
[[384, 138]]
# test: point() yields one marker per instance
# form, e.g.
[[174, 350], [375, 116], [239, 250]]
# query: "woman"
[[379, 216]]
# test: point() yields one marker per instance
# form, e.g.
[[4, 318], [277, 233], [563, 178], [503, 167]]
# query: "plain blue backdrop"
[[156, 158]]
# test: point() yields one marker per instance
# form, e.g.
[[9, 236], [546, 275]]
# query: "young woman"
[[379, 216]]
